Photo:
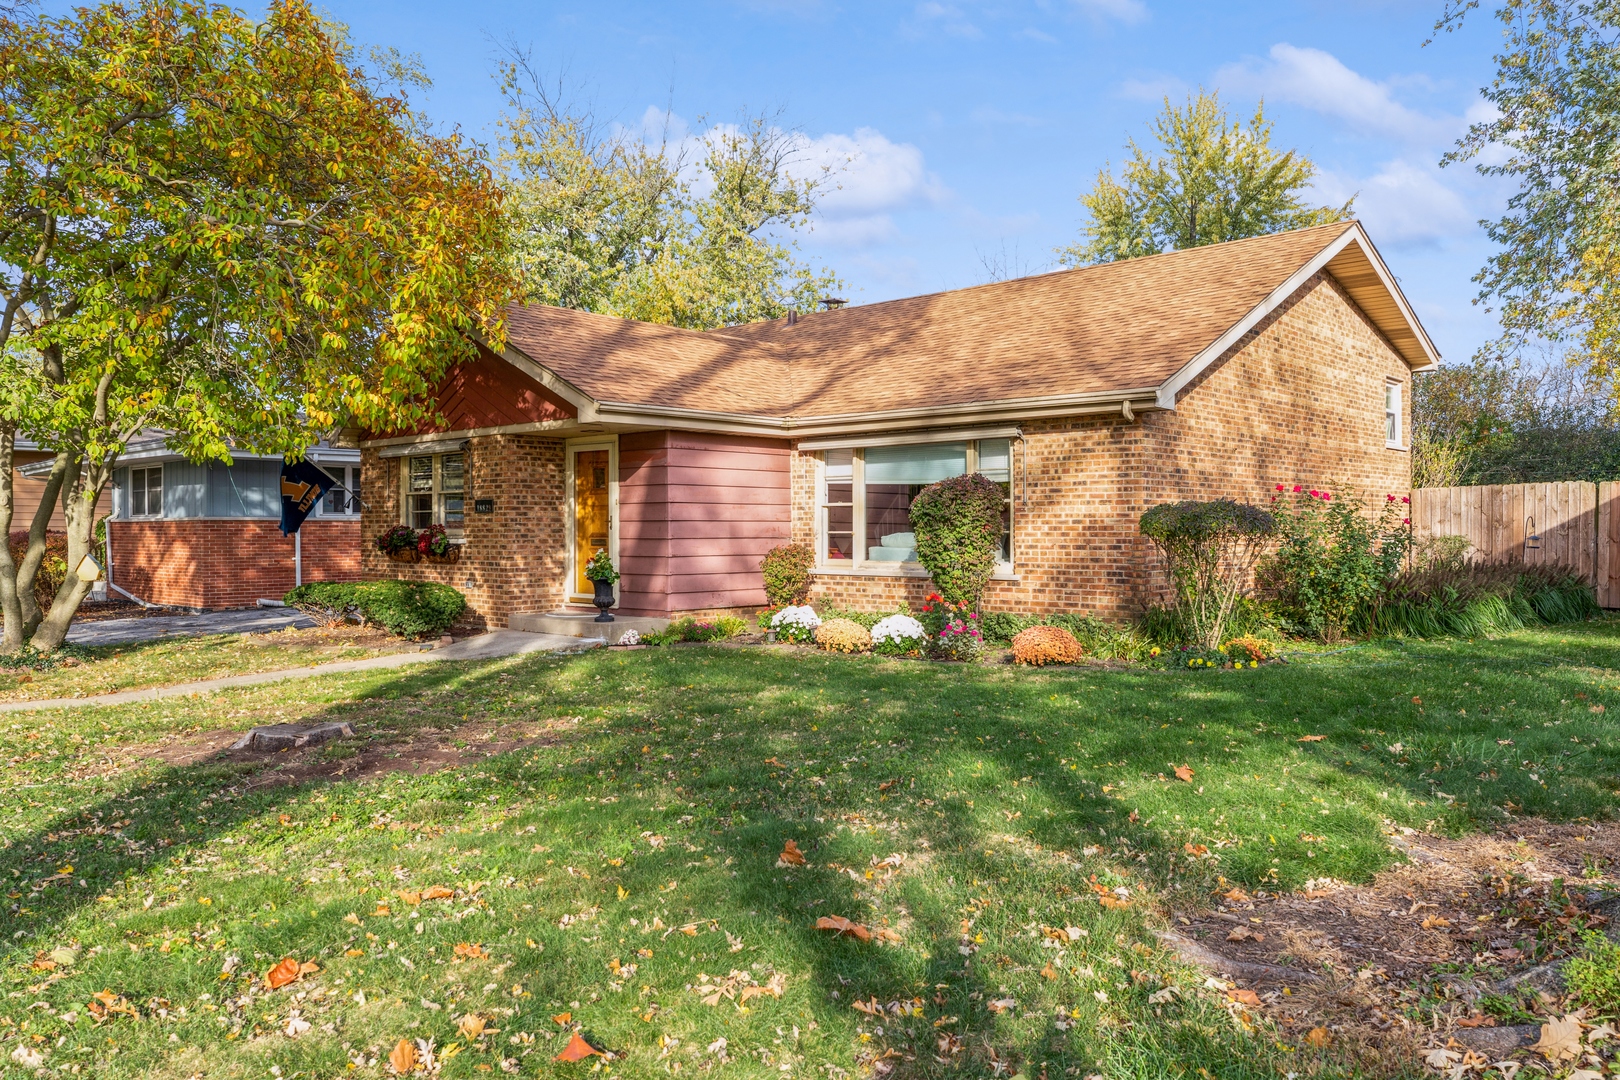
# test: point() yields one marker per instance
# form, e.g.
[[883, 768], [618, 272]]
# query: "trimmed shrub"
[[843, 635], [52, 569], [407, 608], [1042, 645], [786, 570], [958, 526], [1209, 549]]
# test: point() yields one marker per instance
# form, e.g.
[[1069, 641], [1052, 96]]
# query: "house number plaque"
[[483, 506]]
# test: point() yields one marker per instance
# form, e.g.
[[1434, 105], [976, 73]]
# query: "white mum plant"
[[901, 632], [630, 637], [796, 623]]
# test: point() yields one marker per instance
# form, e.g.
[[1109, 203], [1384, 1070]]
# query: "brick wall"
[[1299, 399], [226, 562], [515, 557]]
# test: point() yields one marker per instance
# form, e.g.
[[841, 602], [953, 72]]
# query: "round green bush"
[[787, 574], [415, 609], [958, 526]]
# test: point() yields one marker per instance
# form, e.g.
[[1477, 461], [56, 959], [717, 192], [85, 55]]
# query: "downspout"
[[120, 589]]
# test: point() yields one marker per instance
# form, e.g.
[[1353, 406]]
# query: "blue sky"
[[968, 127]]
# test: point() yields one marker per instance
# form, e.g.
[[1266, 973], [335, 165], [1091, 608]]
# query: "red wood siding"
[[488, 392], [696, 514]]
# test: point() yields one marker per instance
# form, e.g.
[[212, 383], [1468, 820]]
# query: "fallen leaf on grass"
[[465, 951], [106, 1003], [1311, 738], [1243, 933], [409, 898], [1560, 1039], [1235, 896], [296, 1026], [577, 1050], [1049, 972], [791, 855], [842, 926], [354, 952], [1244, 997], [1586, 1074], [288, 971], [403, 1058], [472, 1026], [1184, 773], [563, 1018], [1477, 1022], [27, 1056], [1195, 849], [1441, 1058], [1318, 1038], [437, 892], [1001, 1005]]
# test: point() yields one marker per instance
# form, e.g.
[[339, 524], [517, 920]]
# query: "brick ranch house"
[[208, 536], [1089, 394]]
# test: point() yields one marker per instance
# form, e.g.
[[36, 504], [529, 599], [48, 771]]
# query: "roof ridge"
[[1138, 260]]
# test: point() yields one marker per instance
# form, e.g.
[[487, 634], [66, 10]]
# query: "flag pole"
[[298, 558]]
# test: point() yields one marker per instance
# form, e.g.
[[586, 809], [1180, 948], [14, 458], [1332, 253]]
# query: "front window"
[[435, 491], [867, 495], [1392, 415], [344, 496], [146, 492]]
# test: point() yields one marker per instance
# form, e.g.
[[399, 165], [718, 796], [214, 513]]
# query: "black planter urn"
[[603, 600]]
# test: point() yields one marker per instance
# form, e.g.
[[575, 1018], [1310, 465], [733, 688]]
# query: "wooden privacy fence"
[[1574, 524]]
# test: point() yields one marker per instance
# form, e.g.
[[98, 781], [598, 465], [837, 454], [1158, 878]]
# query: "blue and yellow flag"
[[302, 486]]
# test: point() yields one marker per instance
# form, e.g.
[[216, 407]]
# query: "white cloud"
[[864, 177], [1319, 81], [1126, 11], [1402, 204]]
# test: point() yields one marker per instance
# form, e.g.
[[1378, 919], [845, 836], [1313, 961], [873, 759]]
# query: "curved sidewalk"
[[490, 646]]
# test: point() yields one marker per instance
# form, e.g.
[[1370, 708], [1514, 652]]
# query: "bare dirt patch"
[[336, 637], [370, 753], [1457, 949]]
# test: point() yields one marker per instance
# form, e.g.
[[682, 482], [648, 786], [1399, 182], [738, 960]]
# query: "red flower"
[[1389, 498], [1314, 493], [1406, 521], [1279, 487], [1406, 498], [1326, 496], [1297, 489]]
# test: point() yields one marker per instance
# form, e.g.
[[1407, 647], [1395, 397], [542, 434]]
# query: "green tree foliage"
[[1504, 421], [604, 221], [1210, 179], [958, 526], [217, 227], [1556, 276]]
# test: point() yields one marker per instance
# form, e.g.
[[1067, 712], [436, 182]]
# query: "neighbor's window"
[[435, 490], [146, 492], [344, 496], [867, 494], [1392, 415]]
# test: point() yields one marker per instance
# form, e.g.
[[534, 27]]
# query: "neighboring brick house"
[[1089, 394], [208, 536]]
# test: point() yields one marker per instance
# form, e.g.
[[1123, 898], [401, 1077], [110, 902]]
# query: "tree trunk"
[[34, 555], [11, 638], [80, 491]]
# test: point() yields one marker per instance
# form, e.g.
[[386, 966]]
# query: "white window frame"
[[348, 482], [146, 491], [862, 565], [408, 517], [1394, 416]]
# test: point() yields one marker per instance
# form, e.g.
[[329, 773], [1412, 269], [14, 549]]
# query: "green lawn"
[[106, 669], [620, 865]]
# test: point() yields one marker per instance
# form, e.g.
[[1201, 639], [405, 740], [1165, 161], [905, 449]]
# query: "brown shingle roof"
[[1099, 329]]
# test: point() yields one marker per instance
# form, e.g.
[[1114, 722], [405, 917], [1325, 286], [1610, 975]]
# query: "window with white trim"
[[866, 495], [146, 492], [343, 497], [1392, 416], [435, 490]]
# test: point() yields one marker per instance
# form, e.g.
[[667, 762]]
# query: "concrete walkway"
[[490, 646], [151, 628]]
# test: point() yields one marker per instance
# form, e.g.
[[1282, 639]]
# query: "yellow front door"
[[591, 519]]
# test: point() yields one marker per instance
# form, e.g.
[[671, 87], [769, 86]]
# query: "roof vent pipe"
[[832, 303], [792, 317]]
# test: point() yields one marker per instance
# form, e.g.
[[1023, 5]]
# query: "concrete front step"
[[582, 624]]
